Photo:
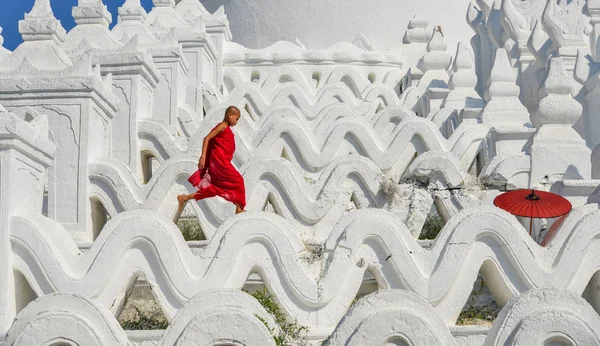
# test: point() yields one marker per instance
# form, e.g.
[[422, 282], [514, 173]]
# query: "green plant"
[[432, 227], [190, 229], [475, 315], [145, 321], [289, 332]]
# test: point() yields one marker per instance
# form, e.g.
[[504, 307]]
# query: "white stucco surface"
[[321, 24], [351, 150]]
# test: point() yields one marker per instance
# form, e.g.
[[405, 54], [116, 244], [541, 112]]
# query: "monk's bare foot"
[[181, 200], [238, 209]]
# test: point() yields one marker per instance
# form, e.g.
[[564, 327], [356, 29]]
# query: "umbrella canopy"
[[533, 204]]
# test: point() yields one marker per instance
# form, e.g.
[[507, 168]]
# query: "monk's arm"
[[207, 139]]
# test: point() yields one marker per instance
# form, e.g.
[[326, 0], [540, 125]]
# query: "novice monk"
[[216, 175]]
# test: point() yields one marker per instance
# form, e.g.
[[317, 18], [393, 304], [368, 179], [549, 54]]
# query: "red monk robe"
[[219, 177]]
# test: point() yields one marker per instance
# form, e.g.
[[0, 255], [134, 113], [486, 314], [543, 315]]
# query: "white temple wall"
[[347, 143], [321, 24]]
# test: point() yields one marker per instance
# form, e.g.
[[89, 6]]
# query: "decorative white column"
[[417, 31], [434, 82], [40, 23], [134, 75], [132, 17], [508, 119], [503, 105], [557, 150], [198, 49], [462, 83], [217, 28], [567, 26], [40, 78], [415, 42], [519, 19], [167, 25], [92, 18], [435, 63], [25, 154], [593, 7]]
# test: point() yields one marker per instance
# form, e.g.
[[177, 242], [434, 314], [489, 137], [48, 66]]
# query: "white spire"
[[132, 10], [557, 105], [464, 75], [41, 8], [40, 24], [91, 12], [504, 106]]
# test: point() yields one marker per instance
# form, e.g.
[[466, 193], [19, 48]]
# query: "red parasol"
[[533, 204]]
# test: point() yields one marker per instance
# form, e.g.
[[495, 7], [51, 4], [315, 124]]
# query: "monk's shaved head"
[[232, 109]]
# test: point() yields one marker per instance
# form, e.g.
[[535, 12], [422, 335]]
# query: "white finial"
[[418, 22], [503, 72], [437, 42], [462, 83], [91, 12], [504, 106], [1, 38], [417, 31], [464, 58], [557, 105], [41, 8], [436, 57], [40, 24], [464, 73], [132, 10]]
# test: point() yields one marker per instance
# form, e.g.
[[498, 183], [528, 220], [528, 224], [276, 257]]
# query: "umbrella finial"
[[532, 196]]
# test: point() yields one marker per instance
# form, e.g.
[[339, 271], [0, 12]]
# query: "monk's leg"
[[206, 192], [182, 200], [239, 209]]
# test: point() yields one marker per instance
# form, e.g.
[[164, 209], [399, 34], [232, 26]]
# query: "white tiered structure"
[[345, 151]]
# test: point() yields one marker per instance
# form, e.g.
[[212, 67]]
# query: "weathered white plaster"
[[545, 316], [503, 106], [65, 318], [411, 267], [225, 314], [323, 23], [25, 154], [392, 317], [346, 144], [557, 149]]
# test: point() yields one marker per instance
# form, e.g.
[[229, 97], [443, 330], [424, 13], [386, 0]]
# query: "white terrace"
[[347, 150]]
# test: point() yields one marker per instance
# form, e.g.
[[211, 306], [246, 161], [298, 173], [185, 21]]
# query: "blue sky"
[[11, 11]]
